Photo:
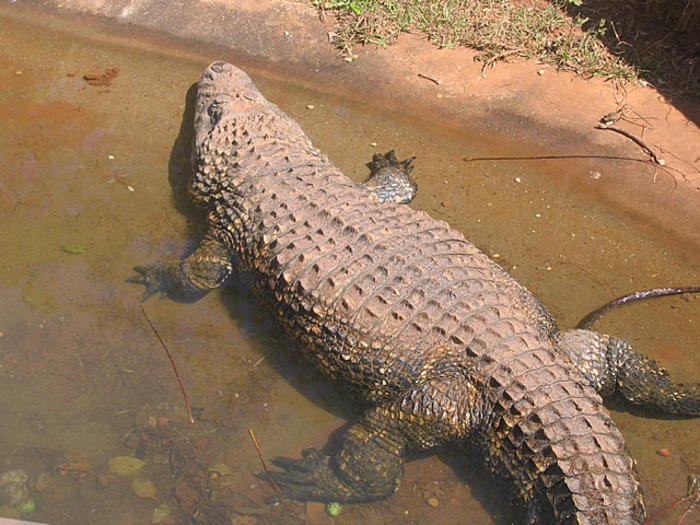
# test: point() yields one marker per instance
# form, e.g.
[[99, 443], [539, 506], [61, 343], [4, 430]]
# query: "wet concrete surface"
[[92, 184]]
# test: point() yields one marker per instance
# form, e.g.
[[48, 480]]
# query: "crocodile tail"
[[551, 442], [570, 470]]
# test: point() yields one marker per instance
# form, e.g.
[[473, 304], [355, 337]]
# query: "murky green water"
[[91, 183]]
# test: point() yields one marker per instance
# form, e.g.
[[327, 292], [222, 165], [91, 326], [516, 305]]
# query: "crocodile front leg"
[[611, 365], [205, 269], [390, 180]]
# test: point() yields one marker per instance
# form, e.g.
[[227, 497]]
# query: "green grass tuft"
[[583, 36]]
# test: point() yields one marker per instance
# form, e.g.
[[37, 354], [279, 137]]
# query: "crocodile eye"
[[214, 111]]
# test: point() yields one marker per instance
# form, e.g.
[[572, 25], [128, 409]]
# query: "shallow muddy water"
[[94, 157]]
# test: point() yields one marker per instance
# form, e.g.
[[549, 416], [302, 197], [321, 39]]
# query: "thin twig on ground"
[[645, 148], [493, 59], [426, 77]]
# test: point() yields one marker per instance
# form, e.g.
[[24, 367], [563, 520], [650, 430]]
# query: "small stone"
[[160, 459], [662, 162], [444, 204], [310, 106], [540, 72], [663, 452], [26, 507], [518, 180], [160, 513], [43, 481], [495, 255], [433, 502], [594, 174], [373, 144], [133, 440], [13, 487], [538, 215], [247, 520], [6, 511], [104, 480], [333, 509], [144, 488], [110, 157]]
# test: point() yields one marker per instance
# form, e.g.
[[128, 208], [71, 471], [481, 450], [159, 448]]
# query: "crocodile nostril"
[[220, 67]]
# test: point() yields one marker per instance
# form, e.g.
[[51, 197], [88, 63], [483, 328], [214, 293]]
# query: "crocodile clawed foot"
[[310, 478], [390, 180], [151, 277]]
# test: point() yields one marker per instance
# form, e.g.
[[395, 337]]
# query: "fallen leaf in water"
[[74, 249], [101, 79], [125, 465], [221, 469]]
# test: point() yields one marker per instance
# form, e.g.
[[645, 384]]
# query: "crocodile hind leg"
[[612, 365], [205, 269], [369, 464]]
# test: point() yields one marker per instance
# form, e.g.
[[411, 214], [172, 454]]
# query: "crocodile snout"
[[221, 67]]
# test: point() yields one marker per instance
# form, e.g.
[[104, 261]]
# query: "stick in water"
[[267, 472], [172, 363]]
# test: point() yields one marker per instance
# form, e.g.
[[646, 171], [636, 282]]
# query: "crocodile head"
[[222, 90]]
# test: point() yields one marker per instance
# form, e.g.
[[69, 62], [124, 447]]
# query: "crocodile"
[[444, 346]]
